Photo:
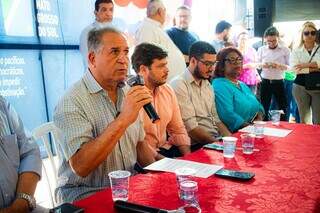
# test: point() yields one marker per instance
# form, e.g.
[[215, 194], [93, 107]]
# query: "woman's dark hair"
[[221, 59], [271, 31]]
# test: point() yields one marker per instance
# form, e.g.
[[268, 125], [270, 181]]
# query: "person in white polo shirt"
[[274, 60], [103, 11]]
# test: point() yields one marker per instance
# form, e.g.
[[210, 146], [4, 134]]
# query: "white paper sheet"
[[268, 131], [170, 165]]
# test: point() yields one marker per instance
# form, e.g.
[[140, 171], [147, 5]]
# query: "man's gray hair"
[[95, 37], [184, 7], [153, 7]]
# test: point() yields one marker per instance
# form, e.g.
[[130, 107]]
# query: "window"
[[21, 84], [17, 22], [39, 57]]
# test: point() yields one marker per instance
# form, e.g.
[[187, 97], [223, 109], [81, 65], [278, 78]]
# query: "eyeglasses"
[[208, 64], [307, 33], [234, 60]]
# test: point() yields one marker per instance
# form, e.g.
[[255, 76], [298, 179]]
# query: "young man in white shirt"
[[104, 15]]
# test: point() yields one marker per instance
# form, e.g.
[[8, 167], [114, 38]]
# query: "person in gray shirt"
[[20, 163], [99, 118]]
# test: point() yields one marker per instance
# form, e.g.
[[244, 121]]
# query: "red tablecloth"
[[287, 179]]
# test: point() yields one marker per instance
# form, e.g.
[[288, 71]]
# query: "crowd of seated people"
[[105, 127]]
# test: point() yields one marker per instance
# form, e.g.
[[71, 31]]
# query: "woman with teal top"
[[236, 105]]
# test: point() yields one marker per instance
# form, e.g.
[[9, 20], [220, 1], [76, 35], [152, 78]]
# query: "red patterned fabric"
[[287, 179]]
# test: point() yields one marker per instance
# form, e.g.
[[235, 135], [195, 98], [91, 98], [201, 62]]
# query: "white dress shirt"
[[151, 31], [278, 55], [301, 55]]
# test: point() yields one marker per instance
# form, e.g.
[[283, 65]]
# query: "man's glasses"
[[234, 60], [307, 33], [208, 64]]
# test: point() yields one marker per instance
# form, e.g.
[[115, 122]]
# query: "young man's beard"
[[274, 47], [197, 73], [155, 82]]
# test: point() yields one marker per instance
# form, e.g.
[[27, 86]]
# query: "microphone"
[[151, 112], [124, 206]]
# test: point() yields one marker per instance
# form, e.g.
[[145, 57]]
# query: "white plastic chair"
[[42, 133]]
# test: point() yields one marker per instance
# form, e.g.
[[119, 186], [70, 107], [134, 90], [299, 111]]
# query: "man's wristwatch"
[[30, 199]]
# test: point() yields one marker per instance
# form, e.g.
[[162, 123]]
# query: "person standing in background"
[[292, 108], [289, 77], [103, 11], [223, 29], [308, 101], [151, 31], [274, 60], [180, 34], [249, 74]]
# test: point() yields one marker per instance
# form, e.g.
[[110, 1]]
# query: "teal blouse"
[[235, 106]]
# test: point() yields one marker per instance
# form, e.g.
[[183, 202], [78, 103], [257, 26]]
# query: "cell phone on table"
[[218, 137], [213, 146], [66, 208], [227, 173]]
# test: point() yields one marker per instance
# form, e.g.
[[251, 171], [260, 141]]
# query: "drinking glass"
[[119, 182]]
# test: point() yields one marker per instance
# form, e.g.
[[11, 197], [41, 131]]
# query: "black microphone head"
[[138, 80], [135, 80]]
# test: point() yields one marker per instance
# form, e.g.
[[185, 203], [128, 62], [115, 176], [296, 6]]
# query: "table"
[[287, 179]]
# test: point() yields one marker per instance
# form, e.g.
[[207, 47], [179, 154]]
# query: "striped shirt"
[[83, 114], [18, 153]]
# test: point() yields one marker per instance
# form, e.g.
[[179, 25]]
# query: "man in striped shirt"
[[99, 117]]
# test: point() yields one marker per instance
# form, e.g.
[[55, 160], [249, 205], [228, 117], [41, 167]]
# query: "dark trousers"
[[275, 88], [196, 146], [291, 102]]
